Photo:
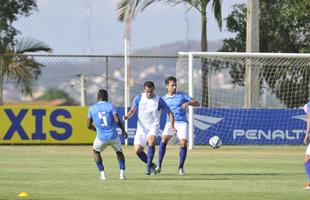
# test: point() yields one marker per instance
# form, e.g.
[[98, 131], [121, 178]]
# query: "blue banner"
[[242, 126]]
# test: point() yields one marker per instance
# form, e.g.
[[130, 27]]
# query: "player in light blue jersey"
[[149, 106], [178, 102], [306, 141], [105, 118]]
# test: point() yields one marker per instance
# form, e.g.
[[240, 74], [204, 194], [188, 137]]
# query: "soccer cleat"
[[103, 176], [148, 170], [153, 171], [181, 171], [122, 175], [158, 170]]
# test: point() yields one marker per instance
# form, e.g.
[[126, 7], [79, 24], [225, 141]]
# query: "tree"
[[22, 69], [11, 11], [54, 93], [284, 27], [129, 7]]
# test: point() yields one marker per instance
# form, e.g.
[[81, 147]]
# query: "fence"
[[65, 79]]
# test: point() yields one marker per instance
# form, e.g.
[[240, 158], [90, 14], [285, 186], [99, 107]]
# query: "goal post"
[[284, 85]]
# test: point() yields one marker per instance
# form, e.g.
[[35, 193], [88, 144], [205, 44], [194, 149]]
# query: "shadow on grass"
[[217, 176]]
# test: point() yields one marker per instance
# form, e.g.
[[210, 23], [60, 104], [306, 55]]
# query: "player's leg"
[[183, 153], [182, 133], [116, 145], [307, 166], [99, 146], [162, 146], [150, 167], [138, 144]]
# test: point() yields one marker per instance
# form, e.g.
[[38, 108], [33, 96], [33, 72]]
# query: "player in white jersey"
[[178, 102], [103, 114], [149, 107], [306, 141]]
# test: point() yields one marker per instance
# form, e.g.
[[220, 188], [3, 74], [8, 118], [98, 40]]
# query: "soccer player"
[[178, 102], [103, 114], [306, 141], [149, 107]]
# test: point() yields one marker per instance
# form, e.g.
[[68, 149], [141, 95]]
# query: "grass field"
[[231, 172]]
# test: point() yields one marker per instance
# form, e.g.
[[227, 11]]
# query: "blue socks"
[[100, 166], [121, 164], [142, 155], [161, 153], [150, 155], [183, 152], [307, 169]]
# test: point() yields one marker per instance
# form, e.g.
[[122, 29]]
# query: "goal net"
[[246, 98]]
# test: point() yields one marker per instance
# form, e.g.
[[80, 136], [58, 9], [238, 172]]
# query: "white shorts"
[[101, 145], [308, 150], [143, 133], [182, 130]]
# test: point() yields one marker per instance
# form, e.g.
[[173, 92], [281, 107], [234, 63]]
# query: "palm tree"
[[130, 7], [19, 67]]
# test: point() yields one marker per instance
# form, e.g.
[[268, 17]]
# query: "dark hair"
[[102, 95], [170, 78], [149, 84]]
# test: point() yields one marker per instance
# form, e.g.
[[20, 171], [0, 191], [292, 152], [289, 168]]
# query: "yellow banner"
[[44, 125]]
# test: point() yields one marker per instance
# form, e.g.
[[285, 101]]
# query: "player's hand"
[[125, 117], [185, 105], [173, 129], [124, 133]]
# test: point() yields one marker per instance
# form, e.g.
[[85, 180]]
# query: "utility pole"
[[82, 89], [252, 72], [127, 32], [1, 80]]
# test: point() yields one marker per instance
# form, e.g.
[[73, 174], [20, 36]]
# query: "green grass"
[[231, 172]]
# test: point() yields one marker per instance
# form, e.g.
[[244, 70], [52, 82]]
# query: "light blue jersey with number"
[[175, 102], [102, 115]]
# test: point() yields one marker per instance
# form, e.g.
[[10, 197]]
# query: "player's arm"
[[306, 139], [130, 113], [90, 124], [120, 125], [171, 117], [193, 102], [133, 108]]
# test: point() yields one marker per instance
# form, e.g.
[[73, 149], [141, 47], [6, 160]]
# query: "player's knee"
[[120, 155], [138, 149], [183, 143], [165, 139]]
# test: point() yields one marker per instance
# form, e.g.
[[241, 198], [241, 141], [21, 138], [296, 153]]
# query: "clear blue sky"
[[91, 26]]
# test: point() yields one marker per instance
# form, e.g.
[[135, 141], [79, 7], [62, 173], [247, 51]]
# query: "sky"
[[91, 26]]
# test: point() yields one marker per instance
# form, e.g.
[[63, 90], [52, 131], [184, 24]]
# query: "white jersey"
[[149, 110]]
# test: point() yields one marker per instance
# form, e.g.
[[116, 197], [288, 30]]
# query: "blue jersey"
[[307, 107], [102, 115], [175, 102]]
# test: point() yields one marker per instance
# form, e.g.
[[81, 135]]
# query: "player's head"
[[171, 84], [102, 95], [149, 89]]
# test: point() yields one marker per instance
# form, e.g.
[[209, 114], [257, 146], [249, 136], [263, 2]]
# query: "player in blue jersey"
[[104, 117], [149, 107], [178, 102], [306, 141]]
